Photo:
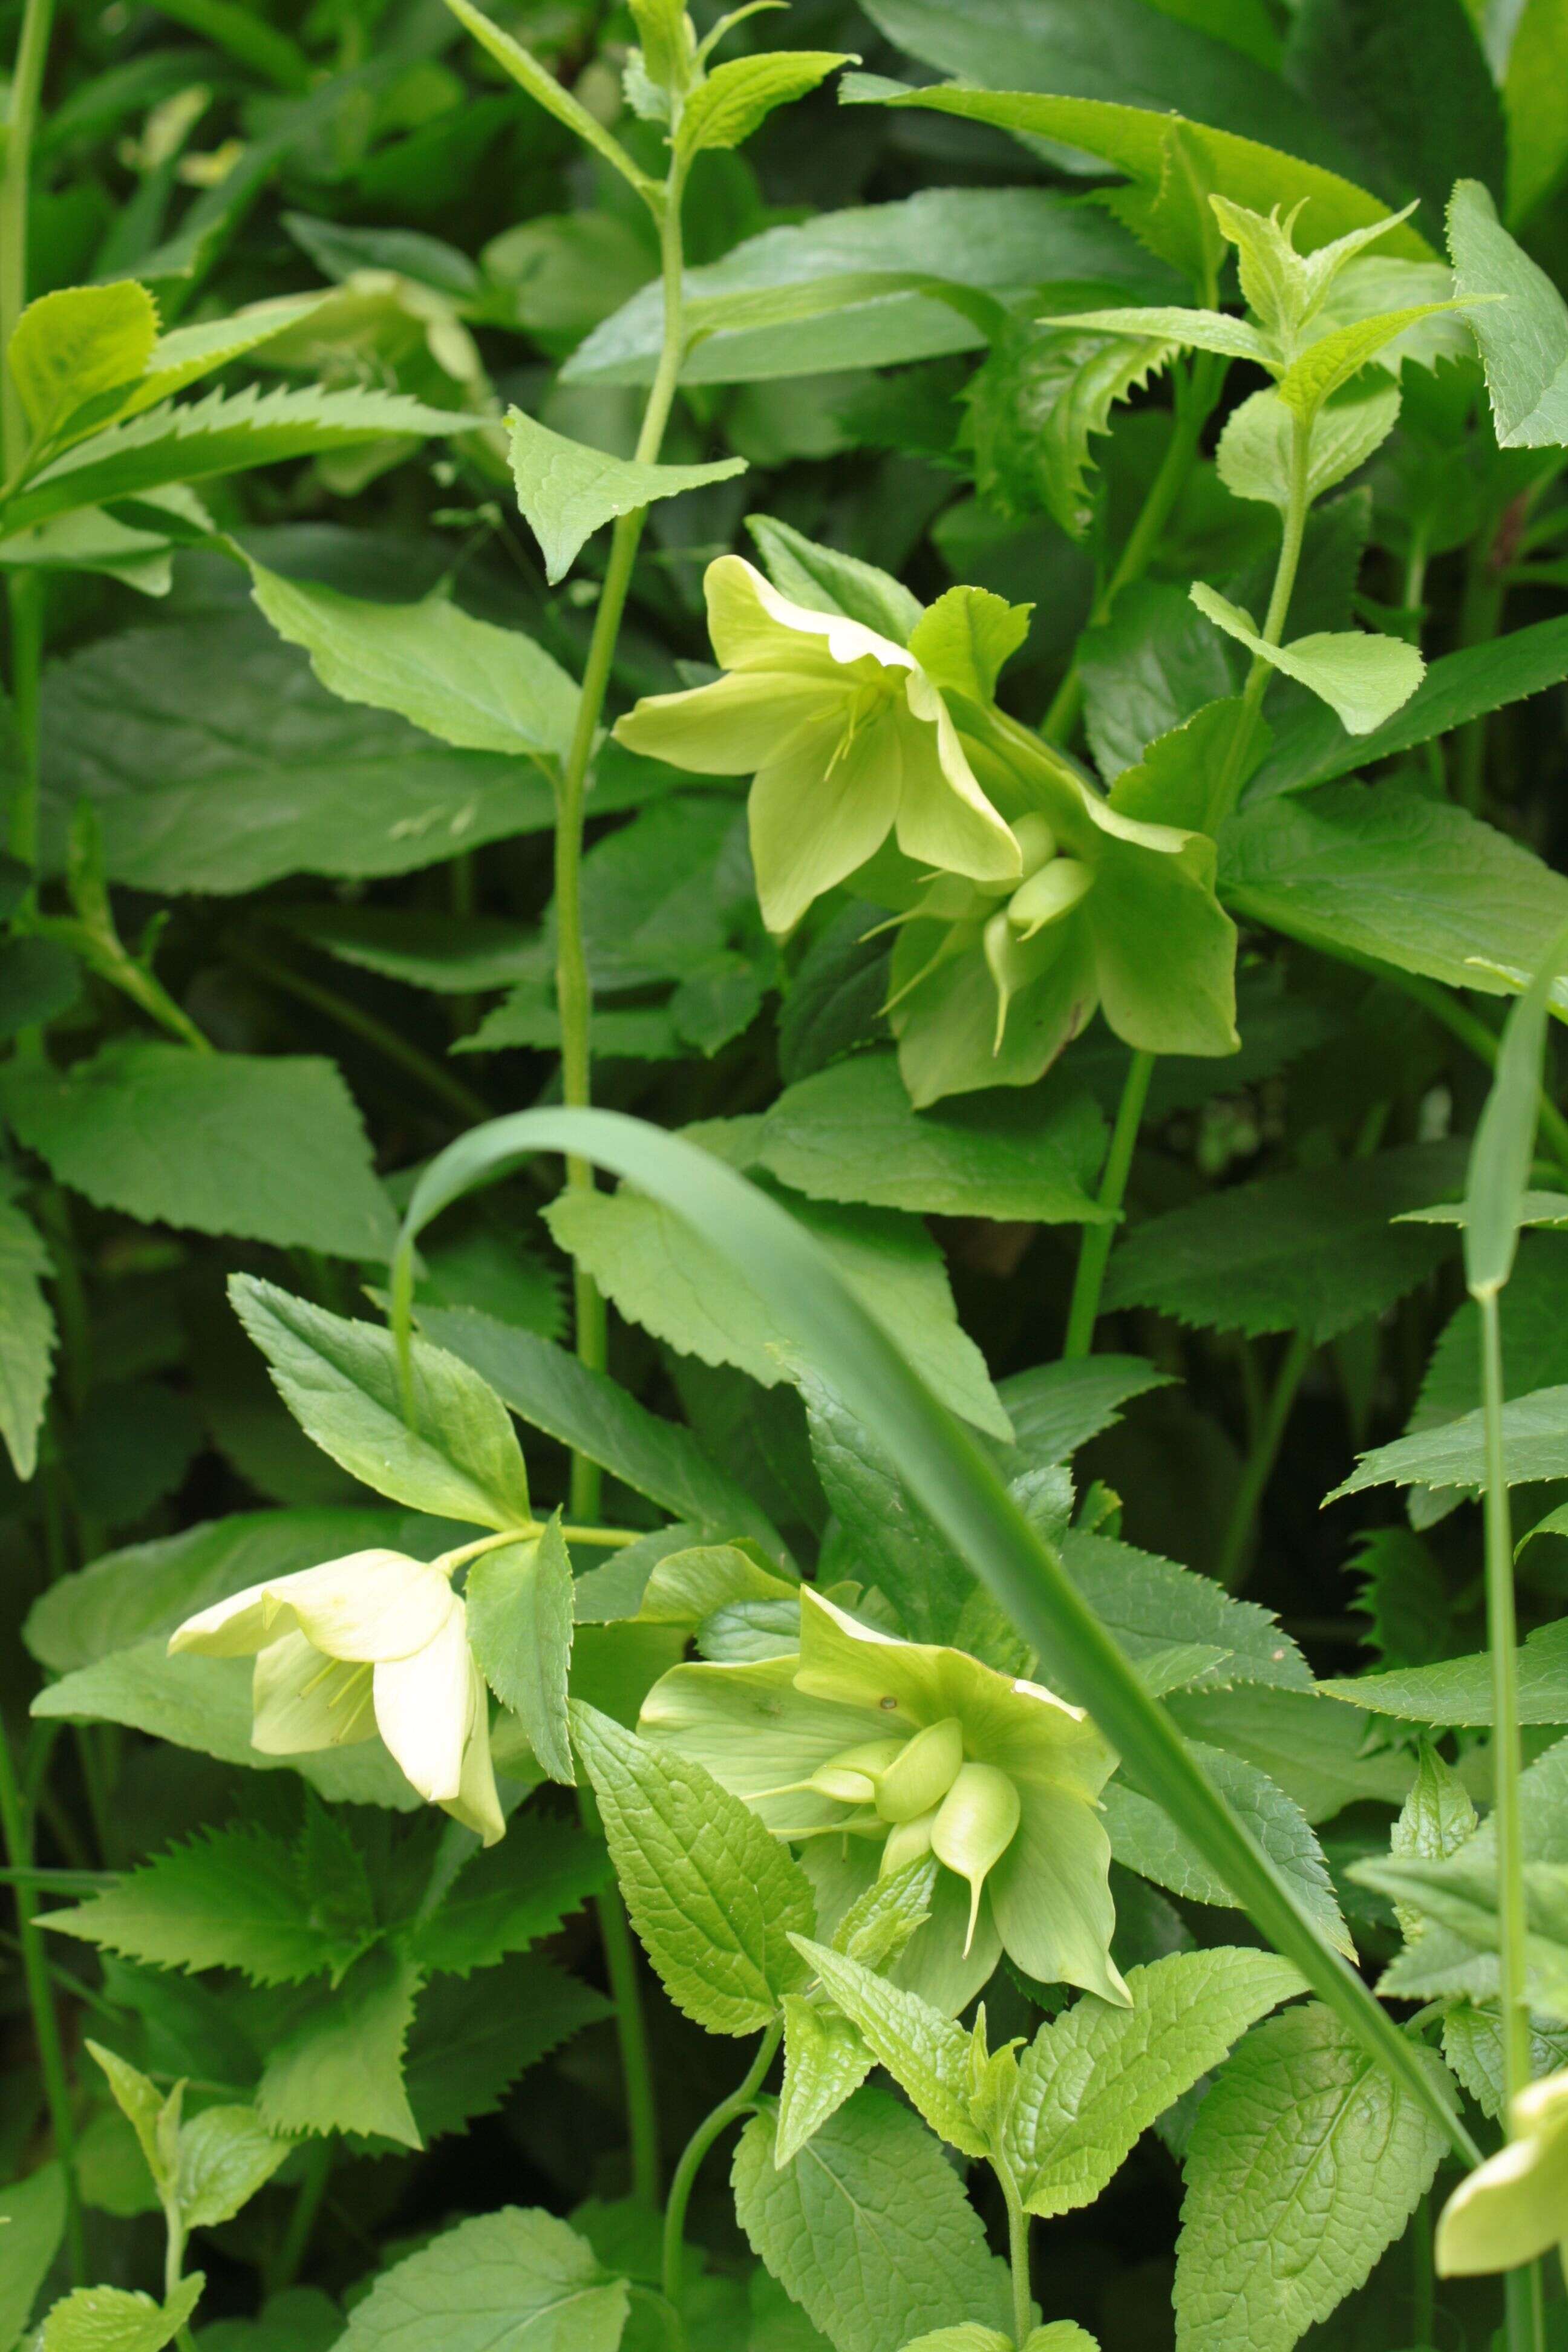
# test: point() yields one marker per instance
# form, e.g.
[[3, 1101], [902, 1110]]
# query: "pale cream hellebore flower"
[[873, 1751], [375, 1642], [1514, 2207], [847, 737]]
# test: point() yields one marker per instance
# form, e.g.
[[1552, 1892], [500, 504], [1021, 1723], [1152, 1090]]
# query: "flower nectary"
[[375, 1644], [872, 1752]]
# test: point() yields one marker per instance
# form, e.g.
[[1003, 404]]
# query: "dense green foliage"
[[659, 1733]]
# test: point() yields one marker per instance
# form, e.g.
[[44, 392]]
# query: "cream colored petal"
[[754, 627], [1512, 2208], [812, 826], [303, 1701], [945, 818], [740, 723], [369, 1606], [477, 1804], [424, 1710], [233, 1628]]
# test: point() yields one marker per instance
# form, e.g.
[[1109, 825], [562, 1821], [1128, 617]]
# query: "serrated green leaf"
[[526, 71], [460, 1457], [1306, 1745], [931, 2057], [520, 1616], [27, 1338], [508, 1897], [153, 2114], [462, 680], [1459, 1691], [826, 580], [971, 2337], [1304, 2163], [226, 2154], [468, 2043], [1436, 1819], [825, 2059], [567, 491], [514, 2281], [1534, 1439], [110, 2320], [737, 97], [269, 1148], [339, 2068], [1092, 2081], [714, 1897], [1523, 338], [1363, 678], [1150, 1603], [1034, 405], [868, 2227], [229, 1898], [70, 347], [1330, 361], [1314, 1251], [1197, 331]]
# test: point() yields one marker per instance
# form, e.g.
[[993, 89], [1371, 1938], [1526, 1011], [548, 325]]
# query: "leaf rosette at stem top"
[[373, 1644], [871, 1751], [847, 740]]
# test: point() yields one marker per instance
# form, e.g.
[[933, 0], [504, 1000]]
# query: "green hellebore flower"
[[1514, 2207], [872, 1751], [991, 981], [845, 735]]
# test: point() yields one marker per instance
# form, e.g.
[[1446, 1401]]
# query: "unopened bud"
[[1049, 895], [923, 1772], [976, 1824], [850, 1777]]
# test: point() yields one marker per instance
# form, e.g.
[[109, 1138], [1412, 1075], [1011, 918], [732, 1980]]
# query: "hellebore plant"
[[375, 1644], [846, 736], [1514, 2208], [875, 1751]]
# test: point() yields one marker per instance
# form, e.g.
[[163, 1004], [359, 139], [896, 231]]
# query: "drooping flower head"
[[847, 737], [877, 1750], [1514, 2207], [375, 1644]]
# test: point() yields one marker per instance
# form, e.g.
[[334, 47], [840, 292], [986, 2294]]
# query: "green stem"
[[1195, 400], [25, 593], [1262, 1458], [1094, 1251], [739, 2103], [293, 2247], [385, 1041], [1423, 2278], [1480, 616], [573, 988], [1018, 2260], [1502, 1639], [18, 1844], [1233, 773]]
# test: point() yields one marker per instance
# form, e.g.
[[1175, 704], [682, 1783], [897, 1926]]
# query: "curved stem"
[[727, 2112], [18, 1844], [23, 589], [284, 2268], [1094, 1250], [631, 2033], [1018, 2260], [1232, 775], [1262, 1458], [398, 1051]]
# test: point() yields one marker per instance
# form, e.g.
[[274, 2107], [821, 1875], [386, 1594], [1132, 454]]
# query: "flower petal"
[[368, 1606], [303, 1701], [946, 1024], [754, 627], [1164, 948], [1512, 2208], [945, 818], [424, 1709], [477, 1804], [1051, 1897], [933, 1963], [738, 723], [233, 1628], [753, 1730], [812, 824]]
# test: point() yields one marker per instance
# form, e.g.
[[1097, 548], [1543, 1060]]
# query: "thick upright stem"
[[23, 589], [17, 1838], [727, 2112], [574, 987], [1018, 2261], [631, 2033], [1094, 1251], [1502, 1637]]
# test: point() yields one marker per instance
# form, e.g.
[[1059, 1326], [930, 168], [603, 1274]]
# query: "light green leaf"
[[227, 2154], [1056, 1408], [825, 2059], [1330, 362], [27, 1338], [465, 681], [1363, 677], [1534, 1440], [519, 1604], [186, 354], [1309, 1747], [230, 1898], [1436, 1819], [1456, 1899], [525, 69], [1304, 2163], [714, 1897], [971, 2337], [850, 1133], [592, 1413], [153, 2114], [340, 2067], [1254, 452], [221, 433], [1150, 1603], [737, 97], [469, 2044], [964, 641], [1523, 338], [661, 1275], [73, 346], [269, 1147], [868, 2227], [567, 491], [1459, 1690], [109, 2319], [1390, 874], [33, 2222], [514, 2281], [459, 1458], [1312, 1251], [1535, 98], [879, 1923], [1093, 2081], [1196, 330], [926, 2052], [1504, 1148]]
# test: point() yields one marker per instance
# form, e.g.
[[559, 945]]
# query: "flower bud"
[[906, 1842], [976, 1824], [1037, 842], [1049, 895], [851, 1775], [923, 1772]]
